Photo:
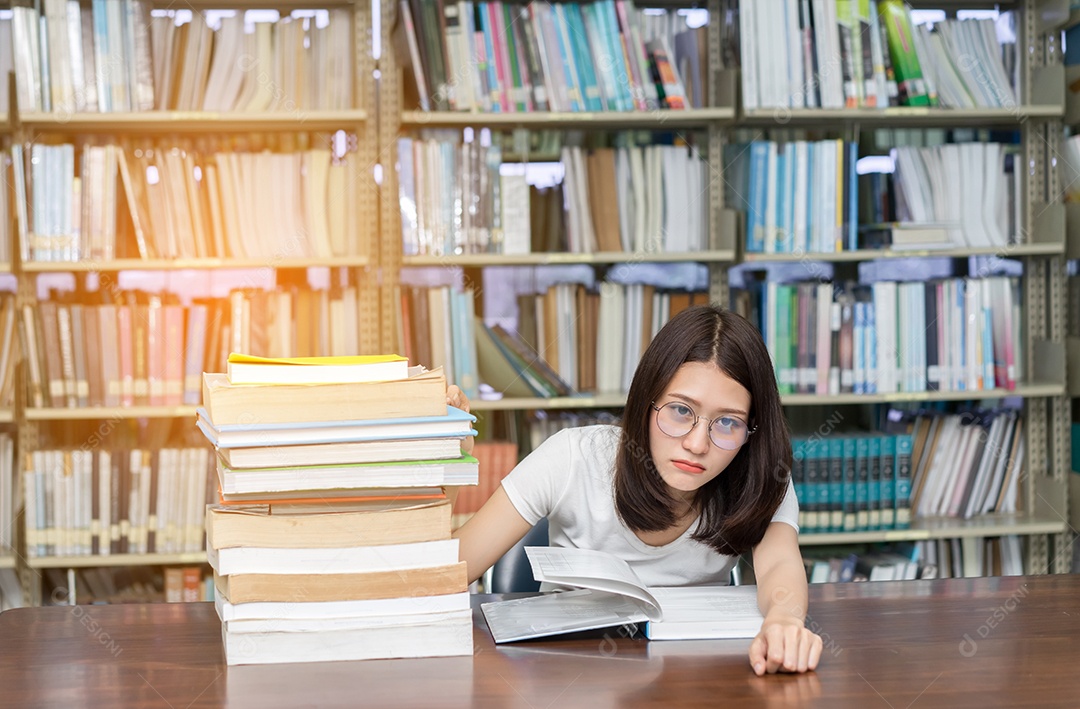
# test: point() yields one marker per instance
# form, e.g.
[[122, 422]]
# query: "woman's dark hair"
[[736, 506]]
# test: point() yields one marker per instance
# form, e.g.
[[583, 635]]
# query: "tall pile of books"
[[331, 536]]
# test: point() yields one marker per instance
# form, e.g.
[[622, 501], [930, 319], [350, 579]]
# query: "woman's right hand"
[[456, 397]]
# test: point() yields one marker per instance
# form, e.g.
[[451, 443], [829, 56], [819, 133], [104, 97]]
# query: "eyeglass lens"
[[677, 419]]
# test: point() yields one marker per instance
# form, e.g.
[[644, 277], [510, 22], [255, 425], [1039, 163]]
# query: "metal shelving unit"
[[371, 281]]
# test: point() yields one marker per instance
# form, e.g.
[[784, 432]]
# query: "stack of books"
[[330, 539]]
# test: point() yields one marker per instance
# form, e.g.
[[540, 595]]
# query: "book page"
[[590, 569], [700, 603], [696, 612], [557, 613]]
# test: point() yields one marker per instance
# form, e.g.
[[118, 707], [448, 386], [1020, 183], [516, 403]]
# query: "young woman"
[[696, 475]]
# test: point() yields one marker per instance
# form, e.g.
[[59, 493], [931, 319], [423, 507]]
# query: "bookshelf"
[[902, 116], [196, 264], [561, 258], [585, 120], [115, 560], [192, 121], [294, 127], [109, 412], [1036, 115]]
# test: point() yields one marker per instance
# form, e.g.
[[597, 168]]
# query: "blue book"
[[811, 486], [902, 506], [465, 369], [862, 483], [455, 424], [798, 479], [583, 58], [789, 200], [759, 195], [850, 478], [873, 488], [834, 448], [489, 48], [888, 482], [575, 87], [783, 236]]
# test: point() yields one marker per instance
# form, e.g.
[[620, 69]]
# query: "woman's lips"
[[688, 467]]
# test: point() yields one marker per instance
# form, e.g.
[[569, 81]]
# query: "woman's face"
[[688, 462]]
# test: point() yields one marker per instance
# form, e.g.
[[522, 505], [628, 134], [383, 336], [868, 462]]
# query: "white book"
[[796, 82], [236, 484], [624, 188], [407, 618], [993, 463], [640, 201], [441, 639], [340, 453], [608, 593], [341, 560], [748, 55], [944, 457], [609, 364]]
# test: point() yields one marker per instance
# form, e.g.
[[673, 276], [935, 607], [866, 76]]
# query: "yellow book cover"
[[249, 369]]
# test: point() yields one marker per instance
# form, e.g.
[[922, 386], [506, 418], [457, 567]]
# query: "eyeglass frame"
[[698, 418]]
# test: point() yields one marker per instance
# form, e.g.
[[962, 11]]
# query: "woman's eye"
[[728, 422], [681, 410]]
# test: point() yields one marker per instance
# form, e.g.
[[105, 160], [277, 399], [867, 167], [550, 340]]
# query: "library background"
[[522, 194]]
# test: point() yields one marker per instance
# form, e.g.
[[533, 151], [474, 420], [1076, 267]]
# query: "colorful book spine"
[[905, 60]]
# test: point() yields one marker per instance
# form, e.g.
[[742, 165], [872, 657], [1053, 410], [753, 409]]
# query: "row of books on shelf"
[[506, 57], [809, 196], [456, 198], [126, 348], [852, 482], [967, 464], [83, 502], [870, 53], [965, 557], [182, 199], [952, 334], [569, 339], [955, 334], [134, 584], [105, 57], [949, 465]]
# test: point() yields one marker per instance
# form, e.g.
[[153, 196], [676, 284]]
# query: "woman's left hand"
[[784, 644]]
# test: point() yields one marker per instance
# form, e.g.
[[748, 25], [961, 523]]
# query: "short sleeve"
[[788, 512], [539, 481]]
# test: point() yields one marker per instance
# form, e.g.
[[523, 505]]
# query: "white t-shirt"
[[568, 479]]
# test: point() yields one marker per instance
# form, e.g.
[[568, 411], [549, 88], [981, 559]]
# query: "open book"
[[608, 593]]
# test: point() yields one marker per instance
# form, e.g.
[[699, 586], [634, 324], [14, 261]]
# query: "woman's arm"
[[784, 643], [496, 527], [490, 533]]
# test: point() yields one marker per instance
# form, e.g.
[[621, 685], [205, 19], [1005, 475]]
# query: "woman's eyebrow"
[[698, 404]]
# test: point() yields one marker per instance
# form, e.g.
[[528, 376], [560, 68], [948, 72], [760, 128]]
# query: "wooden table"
[[950, 643]]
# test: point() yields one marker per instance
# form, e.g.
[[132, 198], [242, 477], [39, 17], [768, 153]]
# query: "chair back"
[[512, 573]]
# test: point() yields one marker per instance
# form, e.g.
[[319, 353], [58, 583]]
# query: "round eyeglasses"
[[676, 419]]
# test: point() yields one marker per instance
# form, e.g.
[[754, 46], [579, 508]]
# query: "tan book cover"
[[311, 588], [380, 522], [228, 404]]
